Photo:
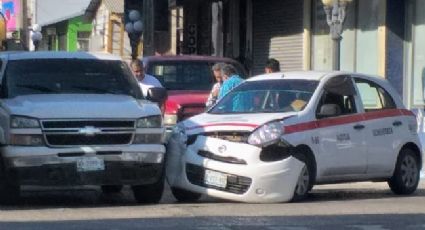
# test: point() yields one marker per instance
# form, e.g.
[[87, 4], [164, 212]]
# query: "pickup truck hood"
[[185, 98], [51, 106], [236, 122]]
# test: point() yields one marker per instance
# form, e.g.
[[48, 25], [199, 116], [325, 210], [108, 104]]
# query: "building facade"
[[381, 37]]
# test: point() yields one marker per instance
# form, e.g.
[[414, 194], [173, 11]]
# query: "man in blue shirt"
[[230, 80]]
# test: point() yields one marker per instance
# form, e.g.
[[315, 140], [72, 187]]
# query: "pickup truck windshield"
[[267, 96], [68, 76], [184, 75]]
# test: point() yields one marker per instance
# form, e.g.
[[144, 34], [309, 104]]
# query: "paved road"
[[345, 206]]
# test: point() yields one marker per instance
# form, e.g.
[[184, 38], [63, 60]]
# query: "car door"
[[341, 135], [382, 120]]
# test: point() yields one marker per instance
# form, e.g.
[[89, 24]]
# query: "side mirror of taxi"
[[157, 94], [329, 110]]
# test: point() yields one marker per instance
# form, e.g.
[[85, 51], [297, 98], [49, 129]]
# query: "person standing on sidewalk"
[[212, 98], [231, 79], [272, 66], [146, 81]]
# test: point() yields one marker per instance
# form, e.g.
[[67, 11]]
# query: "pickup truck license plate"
[[87, 164], [215, 179]]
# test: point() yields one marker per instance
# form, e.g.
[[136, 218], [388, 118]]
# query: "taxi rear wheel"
[[185, 196], [304, 182], [406, 175]]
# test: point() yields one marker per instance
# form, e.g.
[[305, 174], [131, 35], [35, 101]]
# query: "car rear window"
[[183, 75], [68, 76]]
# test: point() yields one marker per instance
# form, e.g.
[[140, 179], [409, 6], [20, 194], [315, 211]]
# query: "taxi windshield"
[[267, 96]]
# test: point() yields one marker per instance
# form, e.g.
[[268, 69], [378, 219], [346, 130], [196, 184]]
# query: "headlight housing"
[[21, 122], [150, 122], [26, 140], [170, 119], [267, 134]]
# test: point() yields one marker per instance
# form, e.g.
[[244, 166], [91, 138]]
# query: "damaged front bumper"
[[232, 171]]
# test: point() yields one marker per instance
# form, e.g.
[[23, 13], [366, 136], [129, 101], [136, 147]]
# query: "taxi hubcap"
[[409, 171], [303, 181]]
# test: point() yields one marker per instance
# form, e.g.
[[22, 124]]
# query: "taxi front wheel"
[[406, 175], [304, 183]]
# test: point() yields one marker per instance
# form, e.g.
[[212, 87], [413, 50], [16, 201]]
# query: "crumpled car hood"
[[235, 122]]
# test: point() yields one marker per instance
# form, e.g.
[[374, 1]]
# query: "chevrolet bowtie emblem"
[[89, 131]]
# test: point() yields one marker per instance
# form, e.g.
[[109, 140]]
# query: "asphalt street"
[[343, 206]]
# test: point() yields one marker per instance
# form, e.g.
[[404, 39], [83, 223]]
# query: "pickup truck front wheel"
[[9, 192], [149, 194]]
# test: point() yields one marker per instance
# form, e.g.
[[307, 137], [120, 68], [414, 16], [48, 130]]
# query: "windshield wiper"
[[38, 88]]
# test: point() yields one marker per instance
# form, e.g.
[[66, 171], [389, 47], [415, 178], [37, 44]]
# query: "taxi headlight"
[[21, 122], [150, 122], [266, 134]]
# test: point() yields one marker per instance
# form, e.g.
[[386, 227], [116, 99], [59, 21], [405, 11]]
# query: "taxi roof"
[[305, 75], [57, 55]]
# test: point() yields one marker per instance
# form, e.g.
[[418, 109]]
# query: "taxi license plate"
[[215, 179], [90, 164]]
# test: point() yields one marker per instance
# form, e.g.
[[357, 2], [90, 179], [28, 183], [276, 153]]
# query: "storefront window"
[[416, 53], [359, 44]]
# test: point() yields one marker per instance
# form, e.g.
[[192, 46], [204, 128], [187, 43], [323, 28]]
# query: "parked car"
[[291, 131], [70, 119], [188, 79]]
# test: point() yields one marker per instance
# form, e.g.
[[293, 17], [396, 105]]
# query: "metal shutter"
[[277, 33]]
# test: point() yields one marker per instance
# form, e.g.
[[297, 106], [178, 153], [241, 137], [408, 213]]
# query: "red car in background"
[[188, 80]]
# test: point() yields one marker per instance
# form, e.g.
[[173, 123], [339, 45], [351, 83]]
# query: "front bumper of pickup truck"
[[128, 165]]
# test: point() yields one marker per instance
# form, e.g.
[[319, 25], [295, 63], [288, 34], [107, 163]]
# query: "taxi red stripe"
[[329, 122], [223, 124]]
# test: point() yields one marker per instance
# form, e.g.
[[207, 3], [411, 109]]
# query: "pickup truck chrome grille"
[[63, 133]]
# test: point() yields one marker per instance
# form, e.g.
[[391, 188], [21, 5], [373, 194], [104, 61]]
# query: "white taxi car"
[[275, 136]]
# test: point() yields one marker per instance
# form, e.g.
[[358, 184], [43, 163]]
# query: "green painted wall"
[[76, 25]]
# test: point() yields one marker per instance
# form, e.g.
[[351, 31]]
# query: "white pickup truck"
[[71, 119]]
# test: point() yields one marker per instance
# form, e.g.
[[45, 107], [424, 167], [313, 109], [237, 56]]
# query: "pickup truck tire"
[[185, 196], [149, 194], [9, 192], [111, 189], [406, 175]]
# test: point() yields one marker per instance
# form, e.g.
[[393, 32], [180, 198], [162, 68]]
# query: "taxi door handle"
[[359, 127], [397, 123]]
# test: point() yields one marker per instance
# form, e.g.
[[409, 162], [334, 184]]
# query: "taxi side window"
[[373, 96], [337, 98]]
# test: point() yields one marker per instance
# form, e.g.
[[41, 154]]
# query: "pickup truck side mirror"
[[157, 94], [329, 110]]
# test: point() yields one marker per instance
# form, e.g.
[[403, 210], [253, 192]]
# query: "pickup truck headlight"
[[150, 122], [23, 122], [26, 140], [266, 134], [170, 119]]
